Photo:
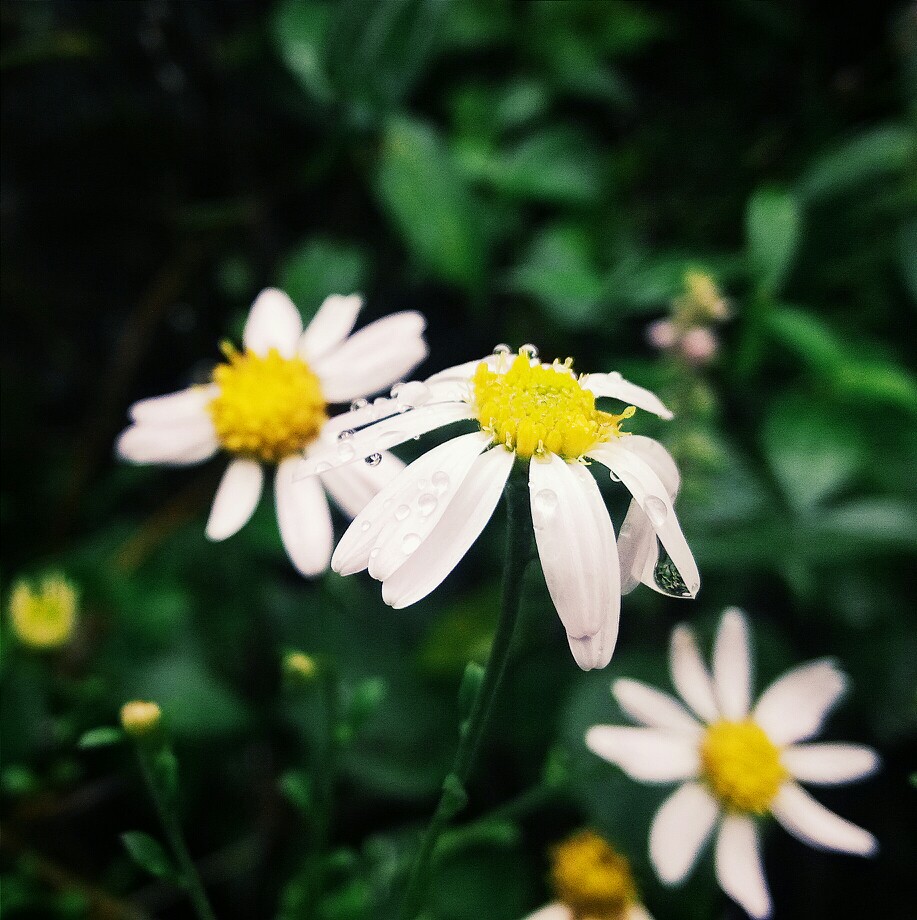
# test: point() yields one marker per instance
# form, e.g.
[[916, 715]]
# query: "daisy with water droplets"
[[415, 531], [592, 881], [269, 405], [736, 763]]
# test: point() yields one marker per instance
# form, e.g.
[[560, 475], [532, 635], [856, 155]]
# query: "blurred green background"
[[541, 172]]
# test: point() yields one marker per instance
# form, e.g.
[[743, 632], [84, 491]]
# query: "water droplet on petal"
[[402, 512], [373, 459], [427, 503], [345, 435], [668, 579], [546, 502], [656, 509], [365, 526], [374, 552], [440, 482], [322, 466], [413, 394], [614, 476], [396, 389], [529, 350], [502, 349], [358, 404], [346, 451], [410, 542]]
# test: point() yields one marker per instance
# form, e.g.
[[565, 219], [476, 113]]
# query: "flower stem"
[[454, 796], [163, 795]]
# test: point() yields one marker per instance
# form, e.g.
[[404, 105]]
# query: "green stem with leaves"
[[454, 796]]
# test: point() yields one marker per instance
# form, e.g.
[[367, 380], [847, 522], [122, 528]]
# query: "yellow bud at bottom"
[[139, 718]]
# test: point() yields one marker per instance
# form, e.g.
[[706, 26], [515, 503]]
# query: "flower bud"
[[140, 719], [44, 617], [300, 666], [662, 334], [698, 345]]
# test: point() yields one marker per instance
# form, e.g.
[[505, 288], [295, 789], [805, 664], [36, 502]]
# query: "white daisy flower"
[[268, 404], [592, 881], [415, 531], [734, 762]]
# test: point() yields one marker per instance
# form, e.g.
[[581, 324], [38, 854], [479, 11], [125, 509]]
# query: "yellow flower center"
[[531, 409], [741, 765], [44, 618], [592, 878], [268, 408]]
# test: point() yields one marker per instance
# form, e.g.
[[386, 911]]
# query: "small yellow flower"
[[592, 878], [140, 718], [44, 617], [300, 666]]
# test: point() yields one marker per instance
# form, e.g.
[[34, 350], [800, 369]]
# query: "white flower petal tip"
[[273, 322], [614, 386], [738, 866], [174, 407], [591, 653], [654, 708], [304, 519], [236, 499], [830, 764], [812, 823], [732, 665], [179, 444], [680, 831], [555, 911], [644, 754], [330, 325]]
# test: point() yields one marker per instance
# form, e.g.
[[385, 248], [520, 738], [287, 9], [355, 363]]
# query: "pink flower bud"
[[698, 345], [661, 334]]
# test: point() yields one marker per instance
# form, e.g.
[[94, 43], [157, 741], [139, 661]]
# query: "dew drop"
[[502, 349], [656, 509], [668, 579], [614, 476], [322, 466], [410, 542], [427, 503], [373, 460], [374, 552], [546, 502], [396, 389], [346, 451], [529, 350], [413, 394], [365, 526], [358, 404], [440, 482], [402, 512]]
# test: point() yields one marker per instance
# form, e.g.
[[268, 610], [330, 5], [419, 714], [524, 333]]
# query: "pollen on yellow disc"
[[268, 408], [44, 617], [591, 878], [741, 766], [532, 408]]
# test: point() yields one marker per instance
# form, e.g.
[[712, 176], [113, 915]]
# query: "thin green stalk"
[[172, 828], [454, 796]]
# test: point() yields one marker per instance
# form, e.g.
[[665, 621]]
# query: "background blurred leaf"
[[320, 267], [300, 31], [149, 855], [772, 227]]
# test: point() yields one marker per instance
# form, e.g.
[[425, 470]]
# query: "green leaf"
[[420, 188], [772, 227], [907, 249], [300, 34], [149, 855], [296, 787], [103, 736], [321, 267], [165, 773], [886, 150]]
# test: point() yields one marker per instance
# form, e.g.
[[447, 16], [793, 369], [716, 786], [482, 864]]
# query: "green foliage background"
[[520, 171]]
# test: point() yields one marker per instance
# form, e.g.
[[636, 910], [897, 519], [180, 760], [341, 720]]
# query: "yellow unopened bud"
[[44, 617], [703, 297], [592, 878], [301, 666], [140, 718]]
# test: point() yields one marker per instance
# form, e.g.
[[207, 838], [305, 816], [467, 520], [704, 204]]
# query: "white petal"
[[353, 550], [830, 764], [374, 358], [236, 498], [690, 675], [304, 518], [654, 499], [796, 705], [650, 706], [732, 665], [461, 524], [637, 912], [273, 322], [410, 522], [592, 652], [815, 825], [680, 830], [381, 435], [616, 387], [645, 754], [186, 404], [353, 486], [177, 444], [576, 546], [659, 460], [738, 866], [461, 371], [556, 911], [330, 325]]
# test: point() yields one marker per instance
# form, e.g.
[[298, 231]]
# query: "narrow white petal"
[[680, 830], [353, 486], [795, 706], [576, 545], [732, 665], [461, 371], [304, 518], [556, 911], [178, 444], [411, 522], [273, 322], [815, 825], [738, 866], [658, 459], [690, 675], [461, 524], [616, 387], [236, 498], [383, 434], [176, 407], [829, 764], [330, 325], [655, 501], [654, 708], [645, 754], [374, 358], [594, 652]]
